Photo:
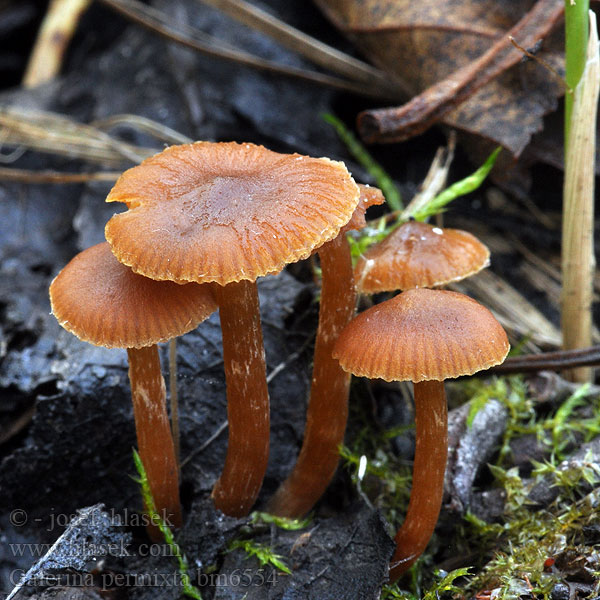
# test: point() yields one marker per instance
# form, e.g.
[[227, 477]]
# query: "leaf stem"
[[576, 33]]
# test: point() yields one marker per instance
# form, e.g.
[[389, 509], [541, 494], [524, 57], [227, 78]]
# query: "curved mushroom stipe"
[[327, 412], [431, 454], [155, 442], [247, 399]]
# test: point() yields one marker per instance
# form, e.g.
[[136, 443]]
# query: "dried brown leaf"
[[457, 59]]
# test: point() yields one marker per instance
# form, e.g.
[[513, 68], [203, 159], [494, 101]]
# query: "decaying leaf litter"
[[31, 376]]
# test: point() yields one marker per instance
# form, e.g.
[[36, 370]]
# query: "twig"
[[415, 117], [56, 134], [60, 135], [510, 307], [542, 62], [158, 130], [17, 425], [222, 427], [547, 361], [434, 181], [578, 260], [292, 357]]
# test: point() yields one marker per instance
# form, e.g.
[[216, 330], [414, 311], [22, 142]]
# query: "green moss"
[[385, 482], [518, 546], [260, 523], [266, 556], [510, 553], [558, 432], [281, 522], [443, 586], [375, 231]]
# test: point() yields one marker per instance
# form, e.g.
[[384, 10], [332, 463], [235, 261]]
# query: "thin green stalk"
[[576, 32], [187, 588], [382, 179], [460, 188], [578, 259]]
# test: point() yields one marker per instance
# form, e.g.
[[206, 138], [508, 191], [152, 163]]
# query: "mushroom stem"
[[431, 453], [155, 442], [247, 399], [174, 400], [328, 406]]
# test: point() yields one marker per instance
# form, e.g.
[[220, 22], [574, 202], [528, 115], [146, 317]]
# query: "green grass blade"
[[576, 41], [360, 153], [187, 588], [460, 188]]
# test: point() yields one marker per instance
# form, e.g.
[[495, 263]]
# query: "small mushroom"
[[104, 303], [424, 336], [229, 213], [419, 255], [327, 411]]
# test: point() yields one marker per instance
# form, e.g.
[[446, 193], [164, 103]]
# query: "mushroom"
[[229, 213], [419, 255], [327, 411], [104, 303], [424, 336]]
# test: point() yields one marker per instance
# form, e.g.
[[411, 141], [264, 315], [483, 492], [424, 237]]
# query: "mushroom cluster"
[[229, 213], [203, 222], [423, 336], [215, 217]]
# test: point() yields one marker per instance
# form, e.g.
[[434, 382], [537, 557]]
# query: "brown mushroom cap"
[[369, 196], [103, 302], [422, 335], [225, 212], [419, 255]]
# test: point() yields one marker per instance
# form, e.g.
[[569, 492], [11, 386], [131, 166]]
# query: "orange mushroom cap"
[[105, 303], [369, 196], [419, 255], [225, 212], [422, 335]]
